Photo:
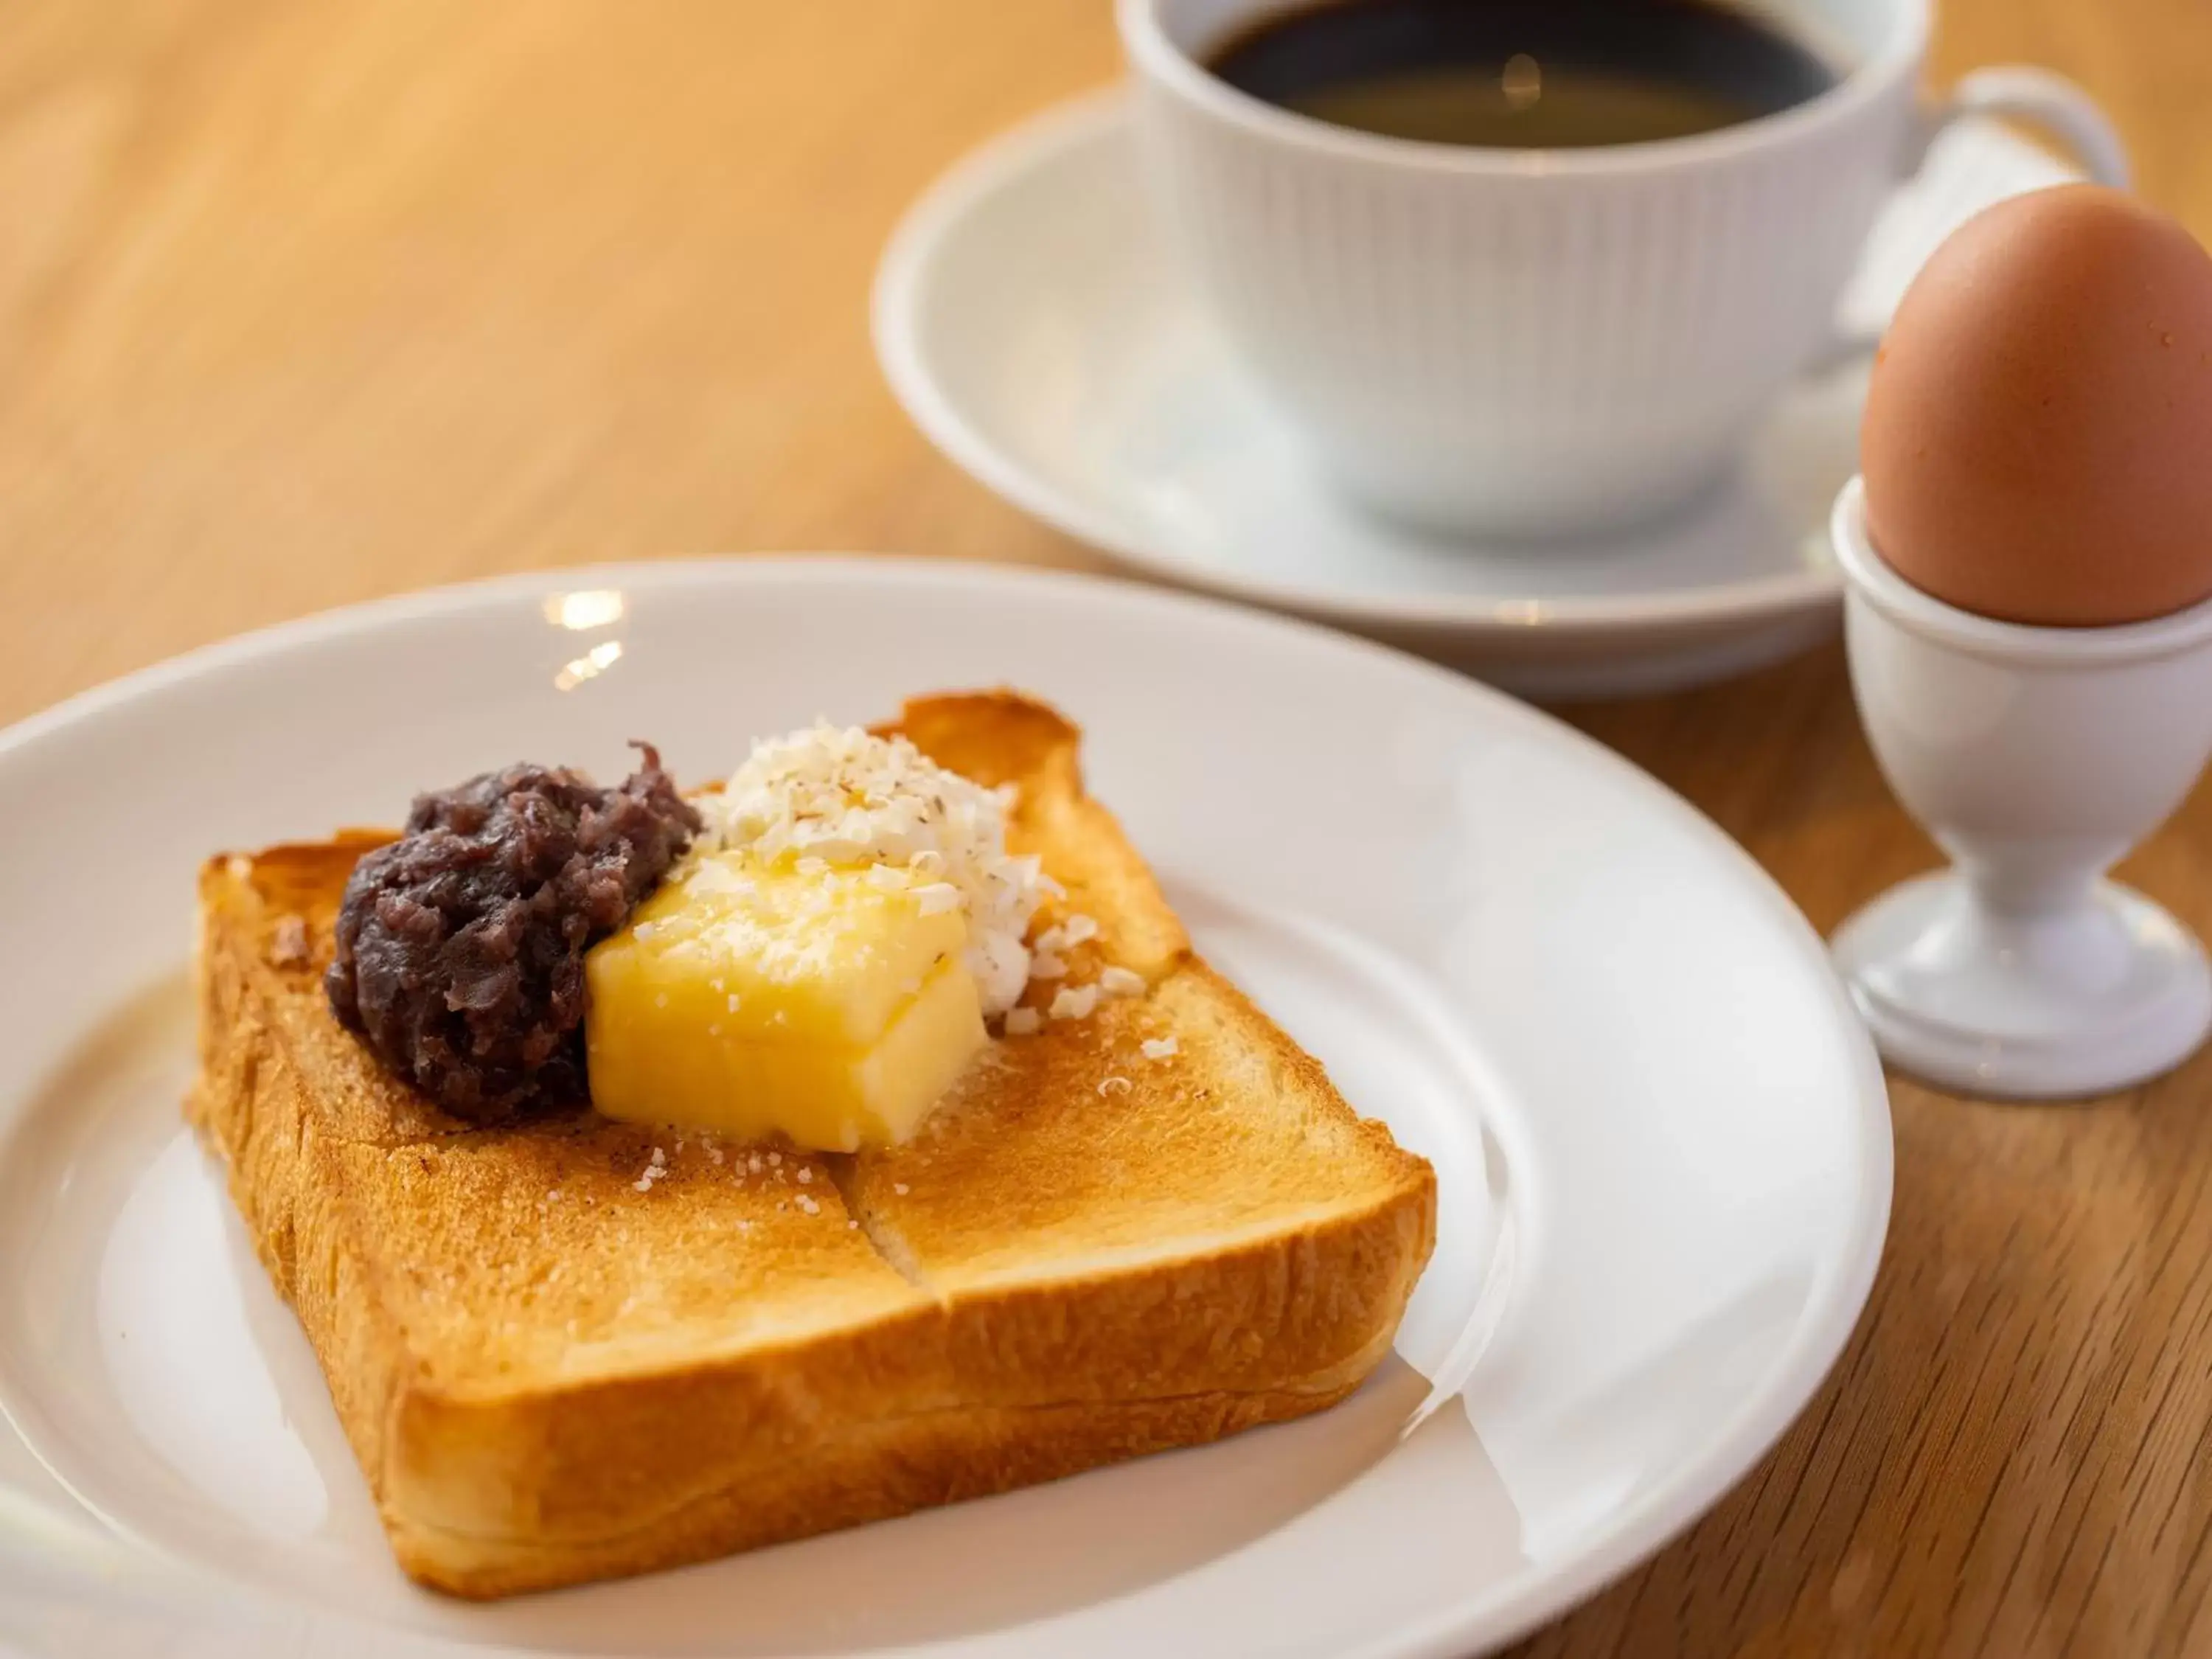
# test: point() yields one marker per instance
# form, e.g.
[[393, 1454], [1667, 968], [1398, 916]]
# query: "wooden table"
[[304, 302]]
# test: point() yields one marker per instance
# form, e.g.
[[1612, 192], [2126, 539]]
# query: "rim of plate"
[[895, 313], [1506, 1610]]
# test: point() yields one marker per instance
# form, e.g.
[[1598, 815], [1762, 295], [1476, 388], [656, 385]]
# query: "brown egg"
[[2037, 439]]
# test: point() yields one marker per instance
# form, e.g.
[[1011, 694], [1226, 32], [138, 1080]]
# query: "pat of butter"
[[828, 1004]]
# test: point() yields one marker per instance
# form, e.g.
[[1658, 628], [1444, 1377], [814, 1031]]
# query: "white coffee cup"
[[1544, 343]]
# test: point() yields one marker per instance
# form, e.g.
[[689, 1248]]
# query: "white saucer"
[[1662, 1139], [1029, 320]]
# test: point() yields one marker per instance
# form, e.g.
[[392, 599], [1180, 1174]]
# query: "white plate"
[[1029, 318], [1662, 1139]]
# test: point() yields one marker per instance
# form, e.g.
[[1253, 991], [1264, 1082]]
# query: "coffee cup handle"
[[2039, 98]]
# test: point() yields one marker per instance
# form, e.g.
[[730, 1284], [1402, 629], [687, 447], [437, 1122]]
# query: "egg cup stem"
[[2075, 998]]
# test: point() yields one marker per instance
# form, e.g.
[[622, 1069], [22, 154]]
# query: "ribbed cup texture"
[[1518, 348]]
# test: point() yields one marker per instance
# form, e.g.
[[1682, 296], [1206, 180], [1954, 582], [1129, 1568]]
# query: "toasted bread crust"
[[574, 1405]]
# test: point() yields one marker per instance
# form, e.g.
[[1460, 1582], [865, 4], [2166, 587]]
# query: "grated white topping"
[[842, 795], [1116, 981], [1073, 1002], [1158, 1047], [1071, 932]]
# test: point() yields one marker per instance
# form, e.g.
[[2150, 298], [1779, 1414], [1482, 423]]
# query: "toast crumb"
[[288, 945]]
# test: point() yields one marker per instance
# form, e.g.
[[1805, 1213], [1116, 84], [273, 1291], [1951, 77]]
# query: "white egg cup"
[[2037, 757]]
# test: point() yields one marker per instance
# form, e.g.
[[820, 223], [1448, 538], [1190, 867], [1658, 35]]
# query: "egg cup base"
[[2109, 993]]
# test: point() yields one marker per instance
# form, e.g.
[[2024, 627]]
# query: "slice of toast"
[[574, 1348]]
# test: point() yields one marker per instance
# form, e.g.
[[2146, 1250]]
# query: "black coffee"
[[1524, 74]]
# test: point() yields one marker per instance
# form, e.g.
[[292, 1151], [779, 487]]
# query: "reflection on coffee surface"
[[1525, 73]]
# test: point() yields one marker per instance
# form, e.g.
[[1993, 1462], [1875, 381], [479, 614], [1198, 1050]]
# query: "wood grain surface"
[[304, 302]]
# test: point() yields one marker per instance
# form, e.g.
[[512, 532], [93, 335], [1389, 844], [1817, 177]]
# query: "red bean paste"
[[460, 946]]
